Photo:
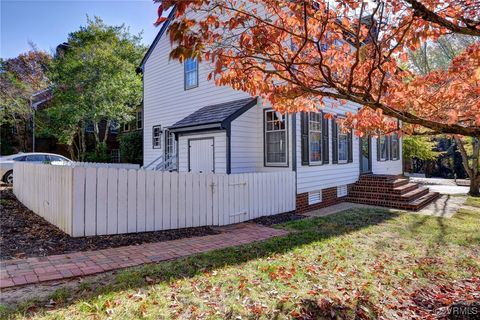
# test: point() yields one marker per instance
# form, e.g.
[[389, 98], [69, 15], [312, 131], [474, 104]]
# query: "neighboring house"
[[190, 124]]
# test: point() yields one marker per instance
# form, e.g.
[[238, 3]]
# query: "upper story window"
[[139, 119], [191, 73], [126, 127], [275, 127], [382, 148], [315, 137], [156, 137]]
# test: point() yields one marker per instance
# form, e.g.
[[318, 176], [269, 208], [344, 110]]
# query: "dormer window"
[[191, 73]]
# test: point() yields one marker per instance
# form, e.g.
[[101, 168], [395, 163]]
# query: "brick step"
[[390, 196], [403, 188], [388, 184], [379, 177], [413, 205]]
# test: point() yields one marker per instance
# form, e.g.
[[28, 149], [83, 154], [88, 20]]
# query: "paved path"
[[57, 267], [442, 186], [445, 206]]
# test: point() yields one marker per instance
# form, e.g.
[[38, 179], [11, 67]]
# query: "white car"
[[6, 163]]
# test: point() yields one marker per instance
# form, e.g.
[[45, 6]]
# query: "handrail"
[[154, 161]]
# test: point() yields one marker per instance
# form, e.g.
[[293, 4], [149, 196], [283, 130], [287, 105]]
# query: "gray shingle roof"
[[217, 113]]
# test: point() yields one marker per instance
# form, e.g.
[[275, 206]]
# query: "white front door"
[[200, 155]]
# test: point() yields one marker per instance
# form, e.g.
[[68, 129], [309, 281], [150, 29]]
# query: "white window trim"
[[340, 133], [285, 120], [141, 119], [167, 134], [319, 162], [188, 87], [396, 148], [379, 140], [159, 145]]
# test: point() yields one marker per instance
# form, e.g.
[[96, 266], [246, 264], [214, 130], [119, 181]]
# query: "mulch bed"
[[25, 234], [278, 218]]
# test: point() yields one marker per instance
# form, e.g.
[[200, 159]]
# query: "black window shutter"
[[379, 149], [304, 137], [398, 147], [350, 146], [334, 141], [325, 153], [387, 141], [390, 144]]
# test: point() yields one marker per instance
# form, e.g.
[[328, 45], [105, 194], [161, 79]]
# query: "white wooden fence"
[[106, 165], [85, 201]]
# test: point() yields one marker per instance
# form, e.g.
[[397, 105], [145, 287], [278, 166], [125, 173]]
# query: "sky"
[[48, 23]]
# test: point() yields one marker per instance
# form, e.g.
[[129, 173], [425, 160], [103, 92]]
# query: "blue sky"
[[48, 23]]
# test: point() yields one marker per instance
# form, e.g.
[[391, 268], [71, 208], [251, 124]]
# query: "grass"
[[359, 261], [474, 202]]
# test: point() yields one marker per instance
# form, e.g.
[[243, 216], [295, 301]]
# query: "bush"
[[100, 154], [131, 147]]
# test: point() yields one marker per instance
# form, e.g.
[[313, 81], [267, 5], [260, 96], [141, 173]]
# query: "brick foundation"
[[329, 198]]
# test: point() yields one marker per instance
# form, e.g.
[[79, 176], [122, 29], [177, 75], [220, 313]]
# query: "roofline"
[[225, 124], [157, 38], [200, 127]]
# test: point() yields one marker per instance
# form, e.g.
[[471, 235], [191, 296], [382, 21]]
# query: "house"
[[192, 125]]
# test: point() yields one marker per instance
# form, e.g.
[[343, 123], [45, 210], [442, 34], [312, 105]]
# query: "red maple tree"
[[302, 54]]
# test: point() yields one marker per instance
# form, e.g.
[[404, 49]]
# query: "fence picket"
[[132, 201], [141, 195], [122, 210], [150, 202], [112, 200], [102, 183]]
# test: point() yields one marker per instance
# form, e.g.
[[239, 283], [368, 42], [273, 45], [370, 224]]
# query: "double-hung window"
[[275, 139], [342, 146], [191, 73], [139, 120], [315, 137], [383, 148], [394, 147], [170, 149], [157, 137]]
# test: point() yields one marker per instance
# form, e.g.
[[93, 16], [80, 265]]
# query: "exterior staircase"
[[394, 191]]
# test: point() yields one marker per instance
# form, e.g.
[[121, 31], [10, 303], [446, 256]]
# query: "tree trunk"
[[473, 171], [474, 187]]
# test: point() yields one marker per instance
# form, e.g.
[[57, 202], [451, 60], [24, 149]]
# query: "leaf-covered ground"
[[356, 264]]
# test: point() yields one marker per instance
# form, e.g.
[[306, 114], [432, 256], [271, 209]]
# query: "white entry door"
[[200, 155]]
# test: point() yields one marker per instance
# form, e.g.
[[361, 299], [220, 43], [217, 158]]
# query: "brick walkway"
[[33, 270]]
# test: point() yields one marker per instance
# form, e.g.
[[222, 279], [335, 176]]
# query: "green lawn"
[[359, 262], [474, 202]]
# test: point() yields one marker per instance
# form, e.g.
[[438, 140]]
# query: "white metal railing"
[[161, 164]]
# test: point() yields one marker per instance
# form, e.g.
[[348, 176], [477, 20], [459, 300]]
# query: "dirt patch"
[[278, 218], [25, 234]]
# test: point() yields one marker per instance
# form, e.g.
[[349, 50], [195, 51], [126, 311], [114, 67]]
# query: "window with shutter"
[[334, 141], [304, 137], [325, 139], [315, 137]]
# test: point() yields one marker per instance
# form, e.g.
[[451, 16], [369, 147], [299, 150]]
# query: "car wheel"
[[8, 177]]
